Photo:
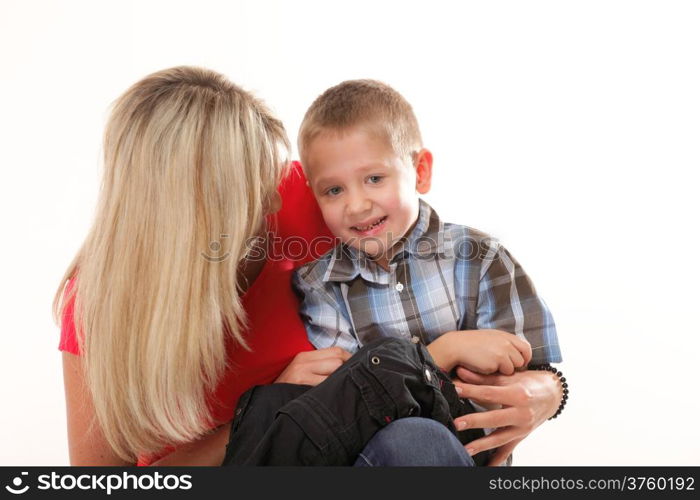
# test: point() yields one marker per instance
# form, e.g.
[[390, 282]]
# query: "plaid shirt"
[[443, 277]]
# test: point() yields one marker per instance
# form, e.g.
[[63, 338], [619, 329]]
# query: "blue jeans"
[[414, 441]]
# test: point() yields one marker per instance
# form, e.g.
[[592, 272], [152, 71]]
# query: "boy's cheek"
[[328, 216], [335, 226]]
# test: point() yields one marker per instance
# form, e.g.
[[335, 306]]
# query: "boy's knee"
[[416, 441]]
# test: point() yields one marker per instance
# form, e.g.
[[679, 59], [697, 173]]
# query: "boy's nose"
[[358, 204]]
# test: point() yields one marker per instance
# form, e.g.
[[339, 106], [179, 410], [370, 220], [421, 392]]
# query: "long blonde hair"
[[190, 161]]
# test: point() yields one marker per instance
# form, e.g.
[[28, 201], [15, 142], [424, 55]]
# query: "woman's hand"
[[528, 398], [313, 367]]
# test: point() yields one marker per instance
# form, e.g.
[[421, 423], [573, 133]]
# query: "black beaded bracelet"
[[564, 385]]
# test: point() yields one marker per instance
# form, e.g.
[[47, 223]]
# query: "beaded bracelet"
[[564, 385]]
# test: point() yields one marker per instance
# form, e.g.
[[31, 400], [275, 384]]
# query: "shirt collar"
[[426, 239]]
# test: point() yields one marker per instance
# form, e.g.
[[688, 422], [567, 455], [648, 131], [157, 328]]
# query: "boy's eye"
[[374, 179], [334, 191]]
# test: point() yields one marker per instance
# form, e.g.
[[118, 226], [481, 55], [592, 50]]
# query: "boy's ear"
[[424, 170]]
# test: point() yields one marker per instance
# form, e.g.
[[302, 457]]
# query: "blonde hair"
[[362, 103], [189, 157]]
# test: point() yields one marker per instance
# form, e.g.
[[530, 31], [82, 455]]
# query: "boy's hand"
[[492, 351]]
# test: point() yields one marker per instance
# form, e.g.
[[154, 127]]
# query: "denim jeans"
[[414, 442]]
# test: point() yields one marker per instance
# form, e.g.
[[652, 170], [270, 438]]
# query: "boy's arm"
[[507, 301], [325, 324], [482, 351]]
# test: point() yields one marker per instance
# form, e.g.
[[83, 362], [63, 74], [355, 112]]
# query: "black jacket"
[[329, 424]]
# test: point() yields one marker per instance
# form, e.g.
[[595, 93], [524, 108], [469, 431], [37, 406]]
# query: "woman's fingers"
[[312, 367], [326, 361], [506, 396], [502, 453], [470, 377], [310, 378], [531, 397], [325, 366], [493, 440], [488, 419], [328, 352], [302, 376]]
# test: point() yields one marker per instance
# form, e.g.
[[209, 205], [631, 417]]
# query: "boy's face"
[[366, 192]]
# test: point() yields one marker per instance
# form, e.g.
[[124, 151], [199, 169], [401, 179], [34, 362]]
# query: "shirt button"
[[415, 339], [399, 287], [428, 377]]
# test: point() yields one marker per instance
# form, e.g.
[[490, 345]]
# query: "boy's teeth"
[[365, 228]]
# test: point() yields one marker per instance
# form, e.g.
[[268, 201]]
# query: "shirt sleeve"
[[326, 325], [507, 301]]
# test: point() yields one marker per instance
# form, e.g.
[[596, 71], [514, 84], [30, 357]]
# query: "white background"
[[567, 129]]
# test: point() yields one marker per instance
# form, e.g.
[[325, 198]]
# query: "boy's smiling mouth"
[[370, 227]]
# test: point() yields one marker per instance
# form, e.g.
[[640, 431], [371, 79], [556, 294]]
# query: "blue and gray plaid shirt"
[[443, 277]]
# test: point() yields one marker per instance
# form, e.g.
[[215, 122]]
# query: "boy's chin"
[[372, 251]]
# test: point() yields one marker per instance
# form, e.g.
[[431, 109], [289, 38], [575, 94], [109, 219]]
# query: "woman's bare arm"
[[208, 450], [86, 443], [88, 446]]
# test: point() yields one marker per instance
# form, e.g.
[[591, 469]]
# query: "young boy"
[[400, 271]]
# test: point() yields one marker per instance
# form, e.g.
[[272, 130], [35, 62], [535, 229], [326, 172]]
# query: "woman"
[[171, 309]]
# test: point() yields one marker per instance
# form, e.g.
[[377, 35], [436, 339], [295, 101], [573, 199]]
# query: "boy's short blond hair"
[[366, 103]]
